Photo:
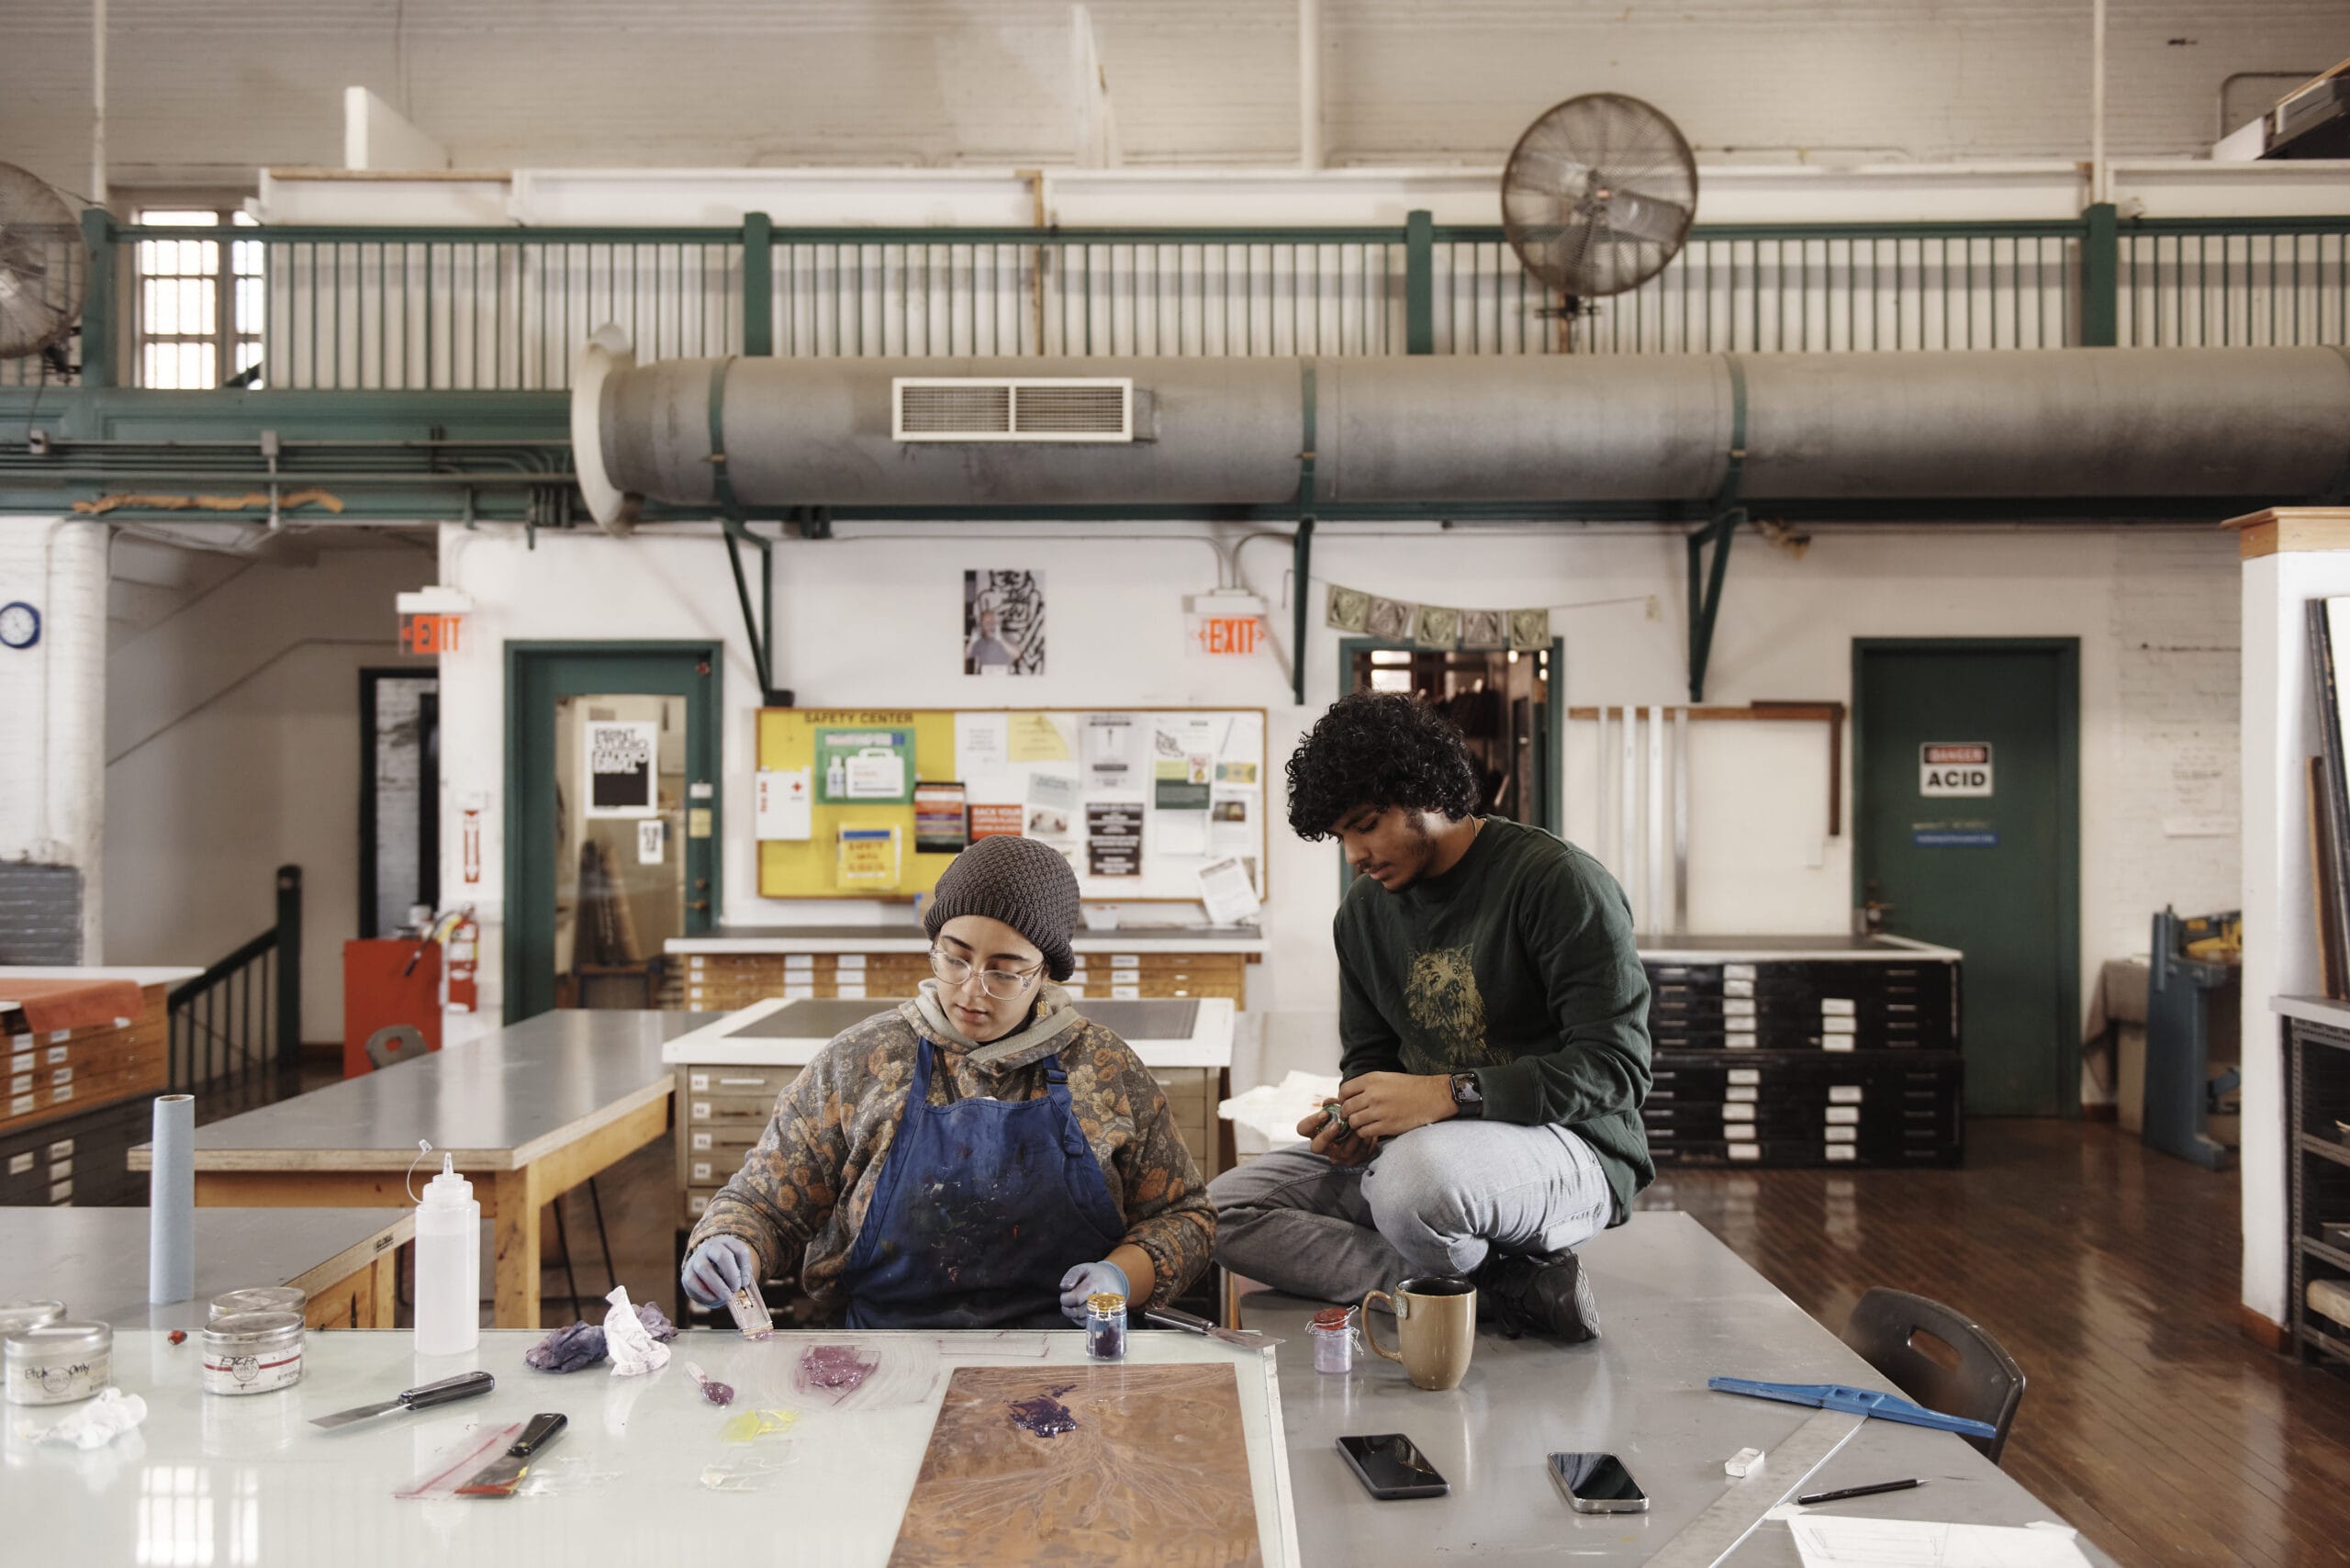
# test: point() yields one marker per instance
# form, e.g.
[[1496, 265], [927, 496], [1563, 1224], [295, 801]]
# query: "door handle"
[[701, 906]]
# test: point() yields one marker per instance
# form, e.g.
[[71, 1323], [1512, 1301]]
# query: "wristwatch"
[[1468, 1100]]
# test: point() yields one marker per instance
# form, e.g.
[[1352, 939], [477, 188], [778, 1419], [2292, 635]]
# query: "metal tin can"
[[1105, 1325], [58, 1363], [259, 1298], [16, 1317], [252, 1352]]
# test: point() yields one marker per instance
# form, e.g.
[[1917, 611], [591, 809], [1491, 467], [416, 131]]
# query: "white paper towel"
[[1273, 1110], [171, 1202]]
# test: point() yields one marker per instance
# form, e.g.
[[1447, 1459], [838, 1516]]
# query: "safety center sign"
[[1954, 768]]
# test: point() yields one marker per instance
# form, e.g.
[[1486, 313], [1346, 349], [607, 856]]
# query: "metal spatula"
[[463, 1386], [1168, 1317]]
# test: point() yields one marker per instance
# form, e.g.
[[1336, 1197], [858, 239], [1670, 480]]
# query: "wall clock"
[[19, 626]]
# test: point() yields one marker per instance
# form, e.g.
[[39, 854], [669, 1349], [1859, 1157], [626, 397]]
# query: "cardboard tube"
[[171, 1202]]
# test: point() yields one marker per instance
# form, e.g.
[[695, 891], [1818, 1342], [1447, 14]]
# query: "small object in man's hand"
[[1338, 1115]]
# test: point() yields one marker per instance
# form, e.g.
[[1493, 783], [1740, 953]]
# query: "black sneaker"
[[1546, 1291]]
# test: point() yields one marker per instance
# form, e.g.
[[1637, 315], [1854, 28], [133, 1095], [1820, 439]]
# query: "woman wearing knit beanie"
[[980, 1157]]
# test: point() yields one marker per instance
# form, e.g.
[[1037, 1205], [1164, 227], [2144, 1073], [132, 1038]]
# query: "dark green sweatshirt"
[[1518, 964]]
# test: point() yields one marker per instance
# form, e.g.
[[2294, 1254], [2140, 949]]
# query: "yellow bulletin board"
[[1053, 764]]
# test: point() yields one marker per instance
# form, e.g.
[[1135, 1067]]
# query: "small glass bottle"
[[1333, 1332], [1105, 1325]]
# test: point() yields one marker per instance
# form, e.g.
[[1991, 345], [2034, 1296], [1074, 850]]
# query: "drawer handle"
[[742, 1082]]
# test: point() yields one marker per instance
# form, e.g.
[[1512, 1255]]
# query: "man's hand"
[[1334, 1142], [1382, 1105]]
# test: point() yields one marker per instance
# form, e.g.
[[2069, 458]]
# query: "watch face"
[[19, 626]]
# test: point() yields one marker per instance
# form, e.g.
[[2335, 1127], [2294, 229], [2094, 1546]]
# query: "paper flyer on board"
[[982, 743], [1232, 820], [940, 825], [1037, 737], [1052, 806], [1182, 762], [1113, 838], [1228, 890], [1109, 751]]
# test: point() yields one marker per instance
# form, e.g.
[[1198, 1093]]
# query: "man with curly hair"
[[1493, 1035]]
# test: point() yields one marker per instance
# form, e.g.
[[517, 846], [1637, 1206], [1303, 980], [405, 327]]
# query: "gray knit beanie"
[[1024, 884]]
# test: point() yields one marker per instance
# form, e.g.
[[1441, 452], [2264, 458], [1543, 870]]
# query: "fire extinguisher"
[[461, 960]]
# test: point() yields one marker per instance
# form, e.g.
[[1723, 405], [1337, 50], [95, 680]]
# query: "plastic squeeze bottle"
[[448, 1265]]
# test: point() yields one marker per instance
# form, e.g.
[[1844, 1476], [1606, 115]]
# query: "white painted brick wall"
[[210, 93], [52, 704], [2174, 728]]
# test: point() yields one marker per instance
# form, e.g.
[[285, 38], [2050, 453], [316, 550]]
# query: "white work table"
[[528, 1113], [95, 1260], [248, 1479], [912, 939], [780, 1032], [1677, 1307], [635, 1478]]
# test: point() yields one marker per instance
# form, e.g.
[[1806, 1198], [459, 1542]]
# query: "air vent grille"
[[1036, 408]]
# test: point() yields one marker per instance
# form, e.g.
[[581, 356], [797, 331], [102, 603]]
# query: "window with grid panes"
[[200, 312]]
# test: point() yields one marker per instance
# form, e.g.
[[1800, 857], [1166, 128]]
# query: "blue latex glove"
[[1083, 1280], [718, 1268]]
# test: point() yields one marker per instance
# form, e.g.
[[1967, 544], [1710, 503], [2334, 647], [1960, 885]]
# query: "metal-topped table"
[[1677, 1307], [95, 1260], [529, 1113], [646, 1472]]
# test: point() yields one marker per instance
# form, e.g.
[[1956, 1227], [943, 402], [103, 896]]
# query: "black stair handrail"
[[222, 1035]]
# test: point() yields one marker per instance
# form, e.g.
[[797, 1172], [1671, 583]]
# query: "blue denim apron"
[[981, 1206]]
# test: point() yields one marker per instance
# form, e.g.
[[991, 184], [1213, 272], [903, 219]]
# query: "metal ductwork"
[[764, 433]]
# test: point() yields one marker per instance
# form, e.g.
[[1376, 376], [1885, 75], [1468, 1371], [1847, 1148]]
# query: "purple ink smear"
[[717, 1393], [836, 1370], [1045, 1415]]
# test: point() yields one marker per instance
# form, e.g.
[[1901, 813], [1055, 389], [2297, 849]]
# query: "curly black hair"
[[1379, 748]]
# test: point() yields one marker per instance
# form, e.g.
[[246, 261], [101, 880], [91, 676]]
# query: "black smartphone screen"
[[1390, 1465], [1597, 1478]]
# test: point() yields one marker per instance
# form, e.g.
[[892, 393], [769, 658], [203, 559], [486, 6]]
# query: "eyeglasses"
[[1004, 985]]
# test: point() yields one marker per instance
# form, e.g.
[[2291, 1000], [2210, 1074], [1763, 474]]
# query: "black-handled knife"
[[463, 1386], [501, 1475]]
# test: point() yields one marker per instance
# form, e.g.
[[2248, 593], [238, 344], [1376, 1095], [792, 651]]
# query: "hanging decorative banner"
[[1389, 619], [1530, 630], [1485, 629], [1438, 627], [1348, 610]]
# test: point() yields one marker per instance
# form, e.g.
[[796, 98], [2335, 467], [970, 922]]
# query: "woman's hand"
[[718, 1268], [1382, 1105], [1085, 1280]]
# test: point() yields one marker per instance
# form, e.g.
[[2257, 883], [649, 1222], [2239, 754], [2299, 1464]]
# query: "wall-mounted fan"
[[1597, 196], [43, 269]]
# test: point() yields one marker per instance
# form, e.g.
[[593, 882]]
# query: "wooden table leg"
[[518, 1248]]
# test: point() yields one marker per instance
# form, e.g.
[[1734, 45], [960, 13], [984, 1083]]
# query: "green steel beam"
[[758, 283], [100, 298], [1729, 516], [1419, 283], [1300, 569], [2100, 279]]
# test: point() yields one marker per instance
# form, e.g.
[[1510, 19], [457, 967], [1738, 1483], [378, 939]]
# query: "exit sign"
[[430, 631], [1235, 634]]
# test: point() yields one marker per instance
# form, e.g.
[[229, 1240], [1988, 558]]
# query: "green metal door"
[[611, 817], [1966, 766]]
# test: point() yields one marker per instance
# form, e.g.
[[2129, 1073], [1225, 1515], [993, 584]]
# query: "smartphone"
[[1390, 1465], [1597, 1484]]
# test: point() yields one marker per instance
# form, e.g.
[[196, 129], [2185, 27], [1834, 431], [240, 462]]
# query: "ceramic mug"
[[1435, 1327]]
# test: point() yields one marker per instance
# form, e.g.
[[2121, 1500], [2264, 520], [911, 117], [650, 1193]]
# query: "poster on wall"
[[1003, 622], [1109, 751], [1114, 837], [622, 758], [865, 767], [939, 823], [991, 818]]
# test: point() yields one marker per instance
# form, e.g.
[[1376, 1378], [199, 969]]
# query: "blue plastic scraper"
[[1857, 1401]]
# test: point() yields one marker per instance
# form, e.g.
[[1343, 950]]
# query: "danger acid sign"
[[1954, 768]]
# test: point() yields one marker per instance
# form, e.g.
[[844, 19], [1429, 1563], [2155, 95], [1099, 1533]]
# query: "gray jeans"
[[1435, 1201]]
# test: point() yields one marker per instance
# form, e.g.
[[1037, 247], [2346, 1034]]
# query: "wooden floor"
[[2110, 1273]]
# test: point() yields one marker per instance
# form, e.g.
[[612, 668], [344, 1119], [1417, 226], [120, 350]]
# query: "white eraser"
[[1745, 1462]]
